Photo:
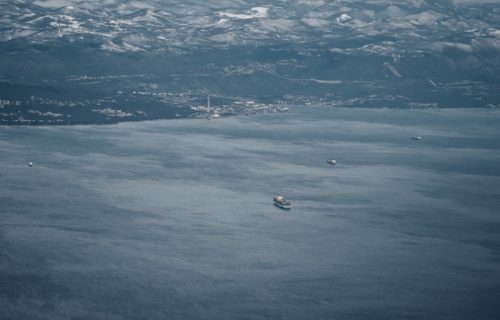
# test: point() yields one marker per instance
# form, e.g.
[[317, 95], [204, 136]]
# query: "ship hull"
[[282, 206]]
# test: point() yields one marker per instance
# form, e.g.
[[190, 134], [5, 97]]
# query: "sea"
[[174, 219]]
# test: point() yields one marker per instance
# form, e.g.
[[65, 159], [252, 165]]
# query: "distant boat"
[[30, 163], [417, 138], [332, 162], [282, 203]]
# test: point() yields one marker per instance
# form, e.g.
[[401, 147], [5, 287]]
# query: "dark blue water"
[[174, 219]]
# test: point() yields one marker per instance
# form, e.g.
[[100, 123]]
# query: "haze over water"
[[174, 219]]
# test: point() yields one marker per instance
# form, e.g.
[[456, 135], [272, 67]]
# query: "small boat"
[[417, 138], [282, 203], [332, 162], [30, 163]]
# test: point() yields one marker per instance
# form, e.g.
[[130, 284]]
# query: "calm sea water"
[[174, 219]]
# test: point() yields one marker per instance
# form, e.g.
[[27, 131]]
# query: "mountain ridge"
[[342, 53]]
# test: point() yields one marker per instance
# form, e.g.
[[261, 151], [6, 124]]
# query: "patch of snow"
[[314, 22], [343, 18], [279, 25], [222, 23], [227, 37], [433, 83], [259, 12], [493, 33], [256, 12], [326, 81], [394, 11], [452, 45], [425, 18], [312, 2], [486, 44], [393, 70]]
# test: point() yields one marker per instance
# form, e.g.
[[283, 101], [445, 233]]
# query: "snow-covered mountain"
[[387, 26], [376, 53]]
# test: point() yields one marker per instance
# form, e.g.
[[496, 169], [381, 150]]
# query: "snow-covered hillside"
[[360, 53]]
